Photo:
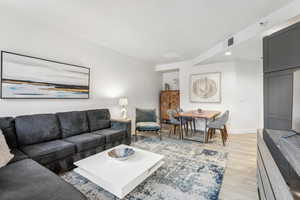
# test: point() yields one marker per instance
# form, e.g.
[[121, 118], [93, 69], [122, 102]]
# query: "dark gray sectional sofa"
[[54, 141]]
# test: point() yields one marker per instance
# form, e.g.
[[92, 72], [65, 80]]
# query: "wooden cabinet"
[[282, 49], [168, 100]]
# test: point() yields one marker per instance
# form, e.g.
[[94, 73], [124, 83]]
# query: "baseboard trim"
[[243, 131]]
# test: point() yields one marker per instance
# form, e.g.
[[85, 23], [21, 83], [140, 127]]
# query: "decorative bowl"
[[122, 153]]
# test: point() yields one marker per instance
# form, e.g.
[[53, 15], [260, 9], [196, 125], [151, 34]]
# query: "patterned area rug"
[[189, 173]]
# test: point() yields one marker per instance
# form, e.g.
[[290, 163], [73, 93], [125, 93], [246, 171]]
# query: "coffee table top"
[[119, 173]]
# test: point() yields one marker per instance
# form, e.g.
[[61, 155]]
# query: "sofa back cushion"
[[7, 125], [33, 129], [73, 123], [98, 119]]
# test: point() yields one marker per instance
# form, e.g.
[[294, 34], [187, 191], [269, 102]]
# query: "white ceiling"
[[157, 31]]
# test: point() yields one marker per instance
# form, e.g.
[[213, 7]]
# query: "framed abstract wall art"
[[205, 88], [27, 77]]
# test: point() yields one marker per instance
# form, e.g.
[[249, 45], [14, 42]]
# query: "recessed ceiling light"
[[228, 53]]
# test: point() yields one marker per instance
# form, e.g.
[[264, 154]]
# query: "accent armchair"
[[146, 120]]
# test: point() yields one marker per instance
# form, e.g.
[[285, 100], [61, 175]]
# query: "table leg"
[[205, 131], [180, 128], [194, 123]]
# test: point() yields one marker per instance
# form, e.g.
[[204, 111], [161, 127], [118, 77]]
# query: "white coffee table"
[[119, 177]]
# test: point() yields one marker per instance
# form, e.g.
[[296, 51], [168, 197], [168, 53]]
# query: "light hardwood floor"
[[240, 175]]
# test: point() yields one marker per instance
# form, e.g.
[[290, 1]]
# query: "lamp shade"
[[123, 101]]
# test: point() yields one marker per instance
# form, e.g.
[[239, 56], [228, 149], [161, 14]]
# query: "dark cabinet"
[[278, 100], [281, 58], [282, 49]]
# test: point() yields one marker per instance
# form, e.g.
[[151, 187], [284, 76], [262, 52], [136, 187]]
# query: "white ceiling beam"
[[170, 66]]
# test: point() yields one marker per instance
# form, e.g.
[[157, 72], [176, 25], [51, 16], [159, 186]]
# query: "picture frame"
[[205, 87], [29, 77]]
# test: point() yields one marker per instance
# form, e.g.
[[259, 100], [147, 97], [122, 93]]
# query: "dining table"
[[205, 115]]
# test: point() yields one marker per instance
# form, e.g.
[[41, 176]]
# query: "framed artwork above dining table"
[[205, 87]]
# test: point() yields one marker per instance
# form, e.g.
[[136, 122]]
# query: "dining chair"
[[190, 121], [173, 121], [218, 124], [146, 121]]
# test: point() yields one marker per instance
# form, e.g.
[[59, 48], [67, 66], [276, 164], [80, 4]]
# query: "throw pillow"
[[5, 155]]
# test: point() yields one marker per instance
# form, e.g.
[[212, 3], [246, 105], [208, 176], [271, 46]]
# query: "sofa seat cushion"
[[18, 155], [73, 123], [111, 134], [48, 152], [98, 119], [34, 129], [86, 141], [147, 126], [27, 180]]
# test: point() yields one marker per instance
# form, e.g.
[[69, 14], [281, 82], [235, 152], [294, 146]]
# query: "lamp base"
[[124, 113]]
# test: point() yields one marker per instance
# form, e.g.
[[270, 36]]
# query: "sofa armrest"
[[122, 124]]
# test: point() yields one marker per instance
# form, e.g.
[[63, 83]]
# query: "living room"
[[149, 100]]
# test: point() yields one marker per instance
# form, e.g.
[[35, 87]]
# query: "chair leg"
[[223, 136], [178, 130], [136, 135], [206, 139], [159, 134], [208, 132], [191, 127], [181, 129], [186, 129], [174, 129], [194, 123], [211, 133], [225, 128], [170, 131]]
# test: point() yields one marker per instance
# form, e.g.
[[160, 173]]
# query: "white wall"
[[168, 77], [296, 102], [112, 75], [241, 93]]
